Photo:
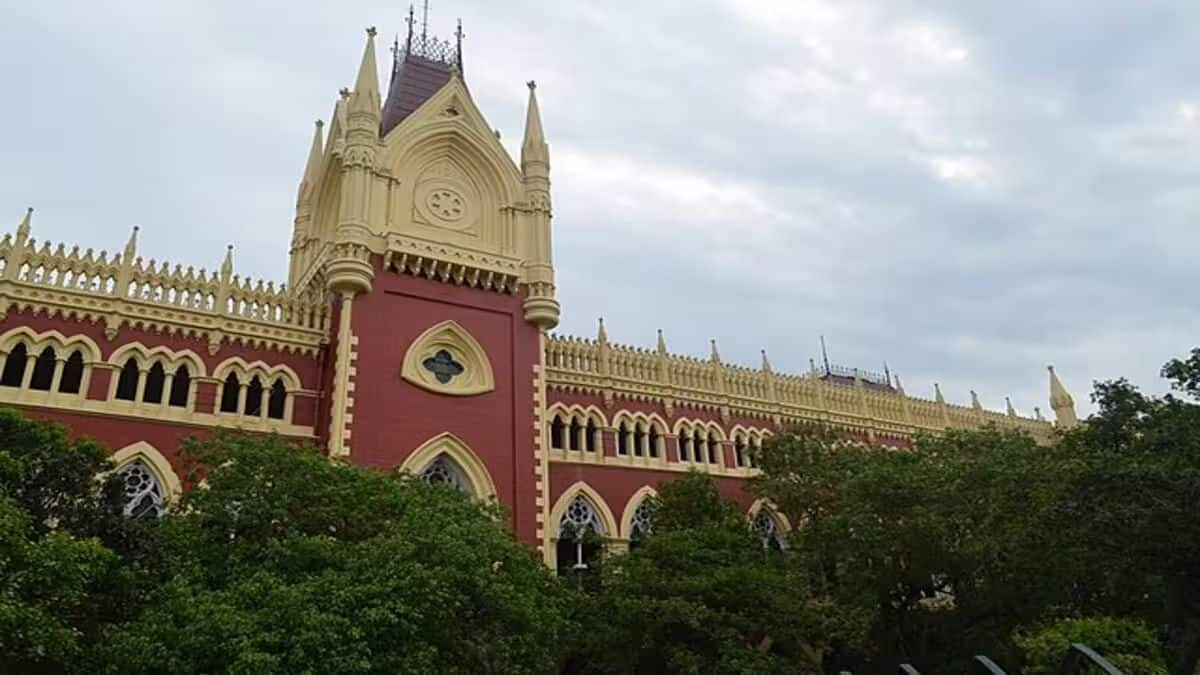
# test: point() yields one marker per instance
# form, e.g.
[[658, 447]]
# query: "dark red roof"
[[414, 81]]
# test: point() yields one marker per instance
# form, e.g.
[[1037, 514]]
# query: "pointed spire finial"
[[365, 97], [975, 401], [662, 342], [316, 152], [714, 355], [227, 265], [1061, 401], [411, 21], [533, 148], [131, 246], [23, 228], [1012, 412], [899, 387], [601, 333], [458, 51], [766, 365], [937, 391]]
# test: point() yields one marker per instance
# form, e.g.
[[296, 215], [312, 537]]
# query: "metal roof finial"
[[425, 21], [458, 38]]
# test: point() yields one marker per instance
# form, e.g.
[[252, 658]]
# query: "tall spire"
[[365, 98], [766, 365], [130, 246], [937, 393], [975, 401], [662, 342], [714, 355], [1061, 402], [1008, 407], [533, 149], [23, 228], [601, 333], [315, 154]]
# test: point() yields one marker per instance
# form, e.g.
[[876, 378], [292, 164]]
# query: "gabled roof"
[[414, 80]]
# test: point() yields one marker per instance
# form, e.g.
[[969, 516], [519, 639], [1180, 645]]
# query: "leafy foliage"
[[1130, 645], [702, 594]]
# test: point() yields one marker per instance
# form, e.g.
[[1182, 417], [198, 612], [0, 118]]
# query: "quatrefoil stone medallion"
[[443, 366]]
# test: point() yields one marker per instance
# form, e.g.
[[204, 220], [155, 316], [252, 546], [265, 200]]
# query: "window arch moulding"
[[448, 360], [463, 456]]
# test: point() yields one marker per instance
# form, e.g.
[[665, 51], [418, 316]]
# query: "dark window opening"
[[714, 450], [43, 370], [128, 381], [654, 441], [685, 447], [277, 400], [229, 393], [590, 440], [72, 375], [14, 367], [156, 380], [254, 397], [623, 439], [576, 428], [556, 433], [180, 387], [639, 437], [739, 452]]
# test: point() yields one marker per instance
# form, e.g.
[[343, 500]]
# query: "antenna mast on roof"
[[824, 355], [425, 21]]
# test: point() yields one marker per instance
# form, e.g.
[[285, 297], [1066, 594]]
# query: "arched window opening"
[[14, 367], [144, 497], [642, 525], [739, 451], [156, 380], [655, 441], [580, 536], [698, 447], [277, 401], [623, 439], [127, 383], [590, 439], [639, 439], [72, 374], [254, 397], [43, 370], [752, 454], [229, 393], [181, 386], [685, 447], [557, 429], [576, 430], [768, 532], [444, 471], [714, 449]]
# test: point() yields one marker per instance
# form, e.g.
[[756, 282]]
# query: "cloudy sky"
[[967, 190]]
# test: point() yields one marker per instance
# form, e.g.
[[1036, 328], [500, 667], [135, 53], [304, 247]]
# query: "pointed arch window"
[[144, 495], [639, 439], [642, 524], [229, 393], [444, 471], [72, 375], [14, 366], [43, 370], [685, 446], [714, 449], [557, 430], [767, 530], [739, 451], [181, 386], [277, 400], [698, 447], [590, 439], [655, 441], [254, 397], [576, 430], [156, 380], [623, 439], [127, 382], [580, 534]]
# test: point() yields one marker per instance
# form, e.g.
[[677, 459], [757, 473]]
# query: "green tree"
[[702, 594], [1130, 645], [59, 581], [287, 562]]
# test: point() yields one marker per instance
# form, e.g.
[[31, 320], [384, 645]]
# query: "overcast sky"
[[967, 190]]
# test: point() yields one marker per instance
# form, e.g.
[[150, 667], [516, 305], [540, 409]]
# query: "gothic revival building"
[[413, 334]]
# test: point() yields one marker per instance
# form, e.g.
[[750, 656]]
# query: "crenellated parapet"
[[596, 366], [125, 290]]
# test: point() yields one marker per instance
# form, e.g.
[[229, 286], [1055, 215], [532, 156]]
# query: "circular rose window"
[[445, 204]]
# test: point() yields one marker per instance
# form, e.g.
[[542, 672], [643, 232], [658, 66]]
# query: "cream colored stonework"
[[477, 376]]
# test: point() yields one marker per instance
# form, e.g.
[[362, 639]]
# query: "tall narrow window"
[[698, 447], [576, 428], [229, 393], [128, 381], [14, 367], [277, 401], [144, 496], [654, 441], [181, 386], [639, 438], [714, 449], [579, 537], [72, 375], [752, 454], [739, 451], [156, 380], [590, 440], [623, 439], [254, 396], [557, 429], [685, 446], [43, 370]]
